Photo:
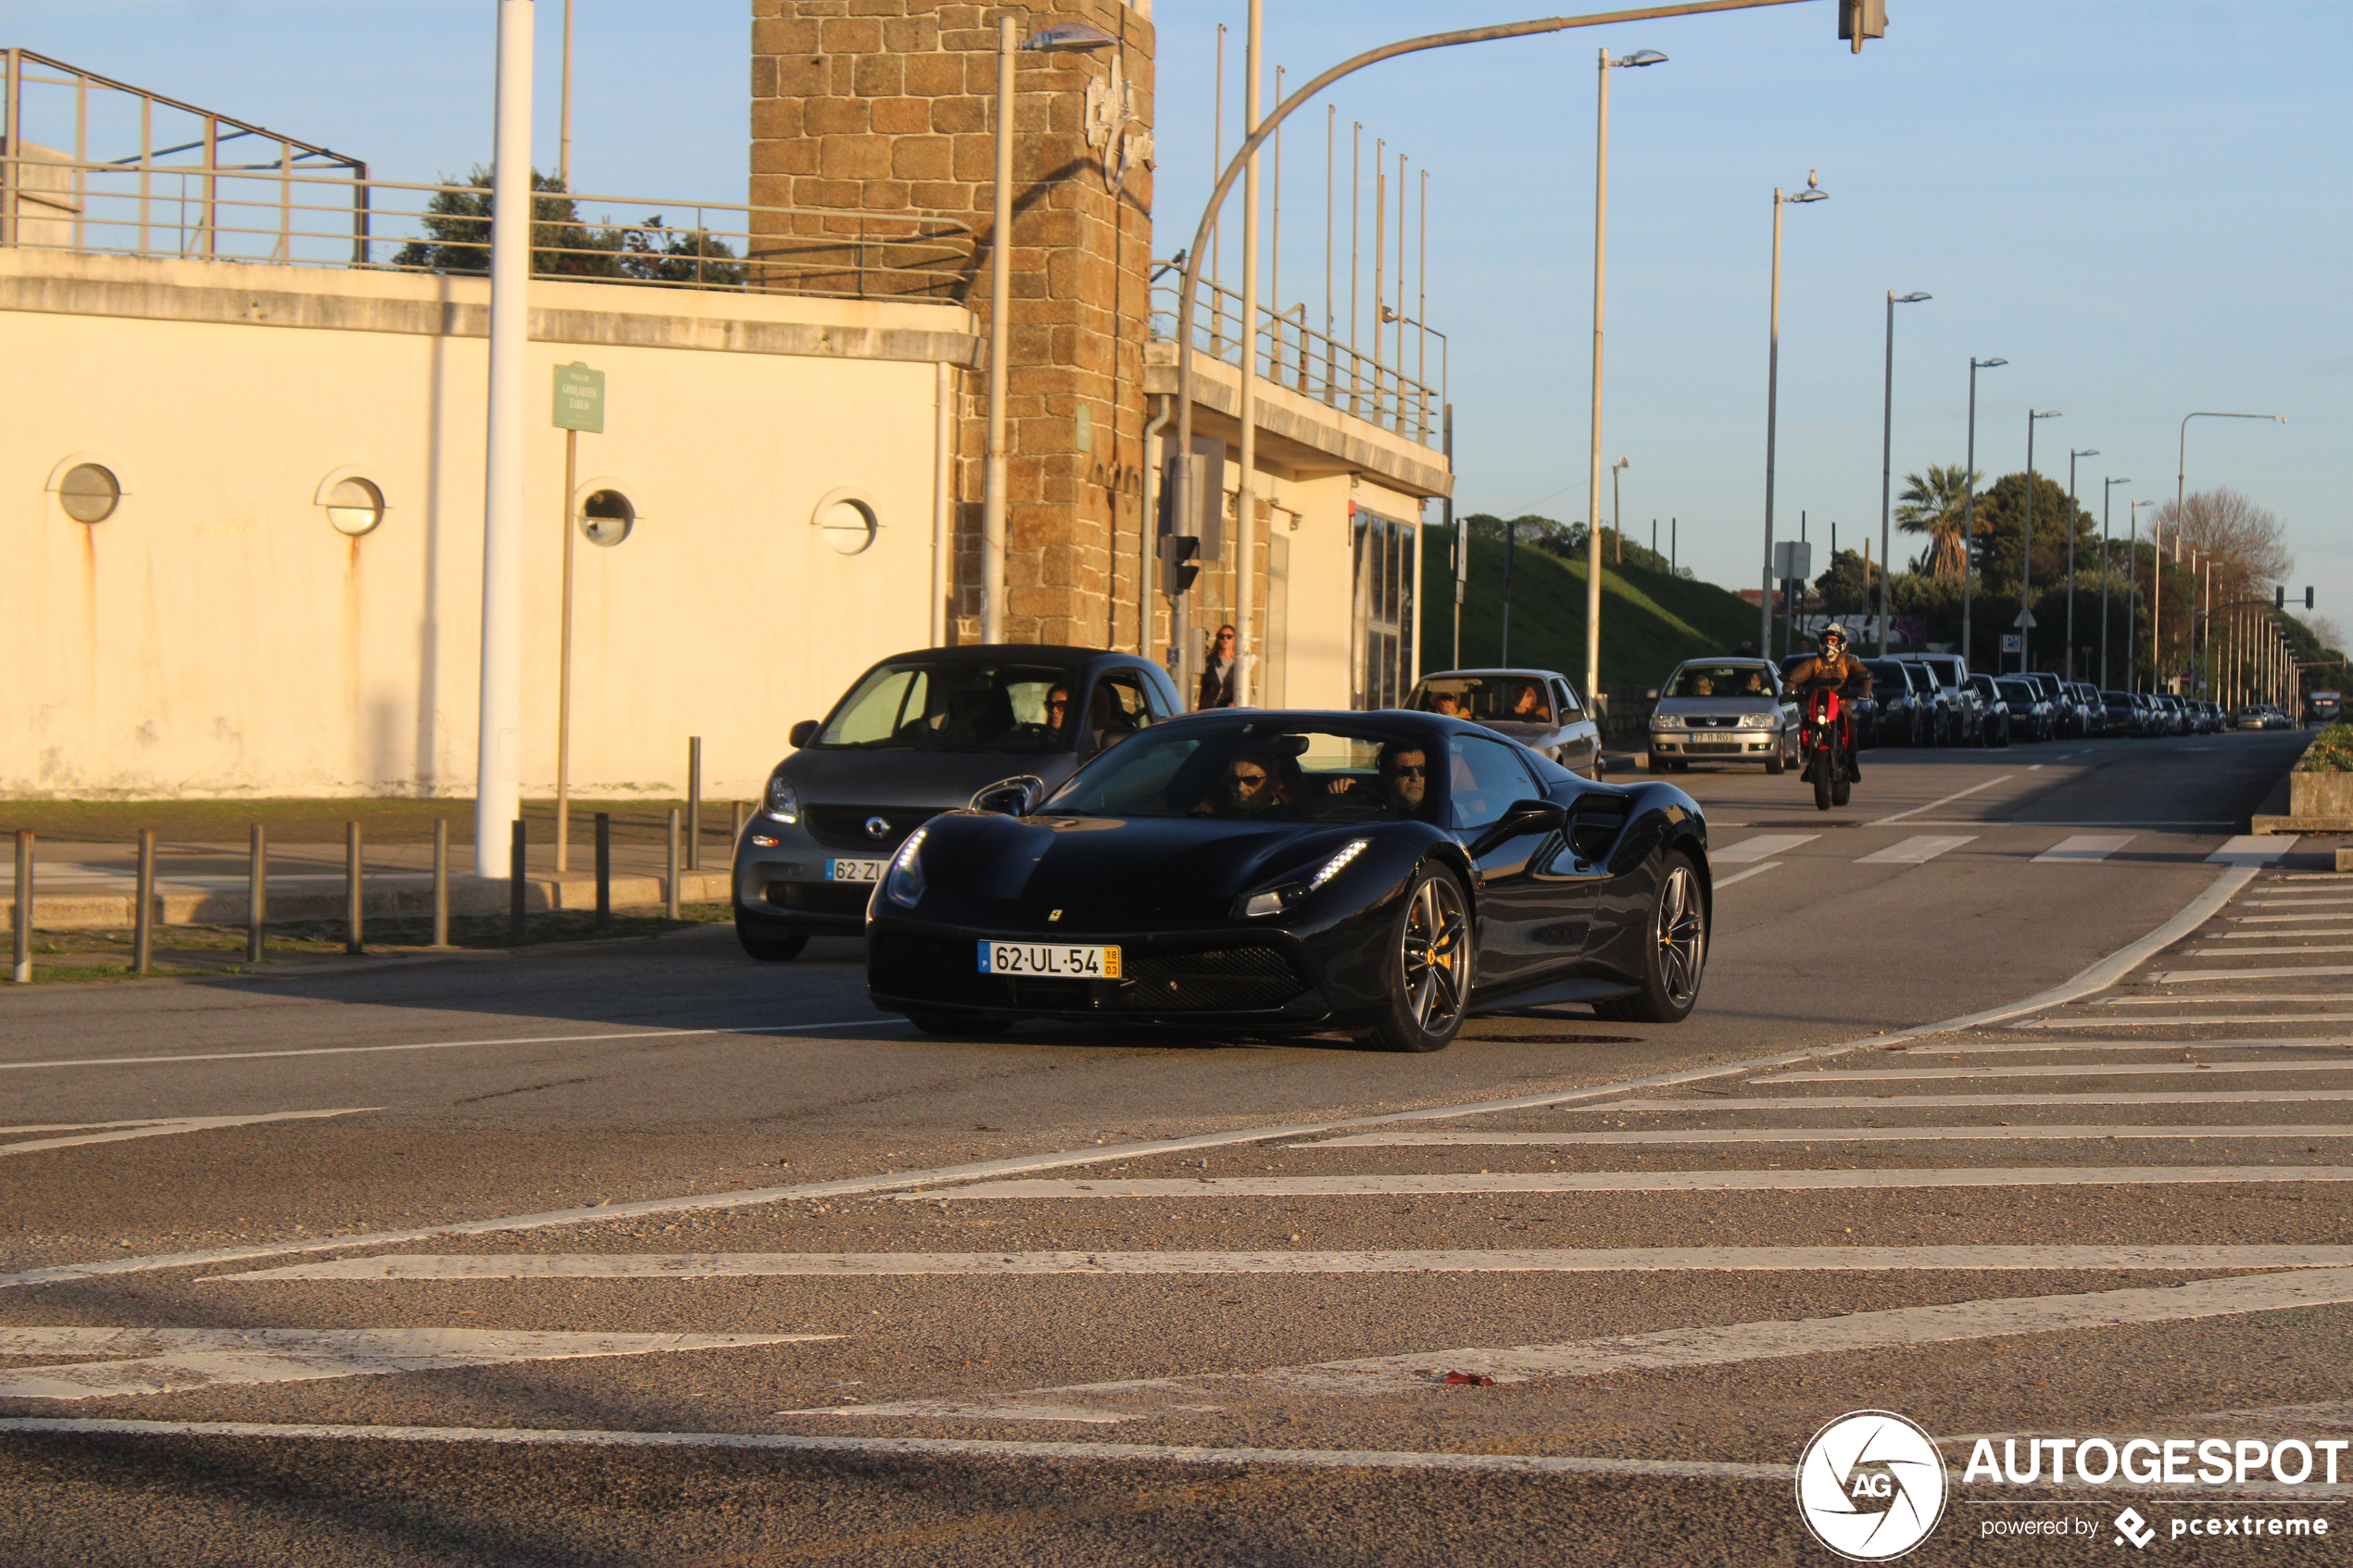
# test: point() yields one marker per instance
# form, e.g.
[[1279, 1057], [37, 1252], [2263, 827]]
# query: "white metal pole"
[[1593, 454], [1246, 491], [1000, 299], [563, 150], [1772, 394], [497, 791], [943, 459]]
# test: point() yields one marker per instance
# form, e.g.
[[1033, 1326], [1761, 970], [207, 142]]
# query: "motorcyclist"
[[1832, 669]]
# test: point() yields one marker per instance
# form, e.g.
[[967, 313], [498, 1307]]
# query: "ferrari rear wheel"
[[1675, 956], [958, 1023], [1430, 978]]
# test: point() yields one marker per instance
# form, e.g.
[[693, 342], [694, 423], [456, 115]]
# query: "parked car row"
[[2261, 716]]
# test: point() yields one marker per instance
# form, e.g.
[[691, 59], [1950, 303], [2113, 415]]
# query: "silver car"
[[1723, 710], [1540, 708]]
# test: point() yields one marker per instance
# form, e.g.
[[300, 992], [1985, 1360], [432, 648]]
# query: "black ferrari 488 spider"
[[1386, 874]]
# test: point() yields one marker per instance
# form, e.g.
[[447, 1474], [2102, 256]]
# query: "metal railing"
[[285, 216], [1291, 354]]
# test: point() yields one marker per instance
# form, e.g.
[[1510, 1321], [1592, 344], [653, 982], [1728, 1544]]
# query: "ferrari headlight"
[[1760, 721], [784, 802], [904, 883], [1275, 901], [1667, 720]]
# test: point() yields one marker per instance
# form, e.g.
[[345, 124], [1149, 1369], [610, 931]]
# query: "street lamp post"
[[2026, 552], [2132, 618], [1812, 193], [1887, 454], [1969, 506], [2071, 513], [2180, 480], [2108, 492], [1065, 38], [1593, 457]]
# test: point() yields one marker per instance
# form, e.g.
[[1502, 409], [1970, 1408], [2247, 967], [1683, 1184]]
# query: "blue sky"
[[2141, 203]]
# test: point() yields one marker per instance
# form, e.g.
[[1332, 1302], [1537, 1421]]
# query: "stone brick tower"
[[889, 106]]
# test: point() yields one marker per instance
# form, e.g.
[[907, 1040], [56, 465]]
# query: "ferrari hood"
[[1118, 869]]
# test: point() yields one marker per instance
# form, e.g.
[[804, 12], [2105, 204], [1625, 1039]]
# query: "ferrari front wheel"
[[1430, 967], [1674, 951]]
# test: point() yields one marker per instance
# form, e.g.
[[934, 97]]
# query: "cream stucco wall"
[[216, 637]]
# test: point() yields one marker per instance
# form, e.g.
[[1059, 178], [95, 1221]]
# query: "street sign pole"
[[579, 404]]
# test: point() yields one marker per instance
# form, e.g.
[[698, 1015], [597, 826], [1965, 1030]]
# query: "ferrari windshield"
[[956, 705], [1487, 699], [1720, 680], [1266, 770]]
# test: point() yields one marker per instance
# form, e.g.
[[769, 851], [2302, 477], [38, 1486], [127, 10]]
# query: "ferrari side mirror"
[[1525, 817], [803, 732], [1011, 797]]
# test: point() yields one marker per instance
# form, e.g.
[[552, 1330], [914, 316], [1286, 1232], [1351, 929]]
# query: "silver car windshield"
[[1719, 680], [1487, 699]]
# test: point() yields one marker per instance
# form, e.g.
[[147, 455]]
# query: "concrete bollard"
[[23, 922], [143, 923], [670, 870], [516, 867], [355, 936], [694, 803], [257, 889], [441, 883], [604, 873]]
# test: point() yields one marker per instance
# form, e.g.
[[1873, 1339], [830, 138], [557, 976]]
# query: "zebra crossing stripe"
[[1166, 1189], [1917, 850], [2085, 847], [2084, 1069]]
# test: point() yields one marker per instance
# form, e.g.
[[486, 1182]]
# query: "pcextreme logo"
[[1871, 1485]]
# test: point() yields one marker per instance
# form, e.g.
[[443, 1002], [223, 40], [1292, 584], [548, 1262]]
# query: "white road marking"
[[444, 1045], [114, 1132], [1758, 870], [1165, 1189], [2271, 936], [2317, 876], [1764, 845], [1580, 1260], [1666, 1349], [1916, 851], [1828, 1134], [2086, 846], [2252, 849], [923, 1447], [2082, 1070], [1950, 1102], [2265, 952], [2196, 999], [2198, 976], [1956, 794], [2179, 1018], [170, 1360], [2151, 822], [2303, 902], [2290, 919], [1997, 1047]]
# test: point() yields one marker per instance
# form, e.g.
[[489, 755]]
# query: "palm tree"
[[1937, 505]]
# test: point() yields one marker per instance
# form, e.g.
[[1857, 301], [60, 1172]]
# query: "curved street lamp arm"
[[1282, 111]]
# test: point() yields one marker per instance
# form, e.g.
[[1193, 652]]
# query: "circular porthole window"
[[89, 493], [846, 522], [606, 517], [354, 505]]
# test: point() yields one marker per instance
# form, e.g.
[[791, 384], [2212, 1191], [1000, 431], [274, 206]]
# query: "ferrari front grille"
[[1249, 979]]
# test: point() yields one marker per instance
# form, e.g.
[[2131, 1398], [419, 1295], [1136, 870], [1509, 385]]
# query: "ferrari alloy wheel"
[[1430, 978], [1673, 957]]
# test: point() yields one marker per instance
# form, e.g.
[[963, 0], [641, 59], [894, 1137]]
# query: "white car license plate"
[[854, 871], [1054, 962]]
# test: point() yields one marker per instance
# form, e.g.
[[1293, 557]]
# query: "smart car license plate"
[[854, 871], [1053, 963]]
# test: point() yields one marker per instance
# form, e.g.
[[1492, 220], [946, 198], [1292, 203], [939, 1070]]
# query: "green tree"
[[1845, 588], [456, 239], [2001, 529], [1936, 503]]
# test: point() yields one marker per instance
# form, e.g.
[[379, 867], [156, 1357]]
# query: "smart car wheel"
[[769, 945], [1430, 969], [1675, 956]]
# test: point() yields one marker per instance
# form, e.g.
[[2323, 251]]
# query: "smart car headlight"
[[1275, 901], [783, 801], [904, 883]]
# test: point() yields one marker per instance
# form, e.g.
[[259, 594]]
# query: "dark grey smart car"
[[919, 733]]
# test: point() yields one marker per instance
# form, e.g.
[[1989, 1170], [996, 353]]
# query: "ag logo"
[[1871, 1485]]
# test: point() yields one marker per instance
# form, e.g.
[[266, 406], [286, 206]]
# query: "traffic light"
[[2279, 598], [1178, 566], [1858, 20]]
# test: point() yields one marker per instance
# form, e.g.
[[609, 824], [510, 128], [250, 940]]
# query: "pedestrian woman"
[[1217, 679]]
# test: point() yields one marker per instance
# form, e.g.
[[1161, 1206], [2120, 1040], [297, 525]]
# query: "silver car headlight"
[[783, 801], [904, 883], [1667, 720], [1760, 721]]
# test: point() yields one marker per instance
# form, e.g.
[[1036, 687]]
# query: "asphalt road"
[[645, 1253]]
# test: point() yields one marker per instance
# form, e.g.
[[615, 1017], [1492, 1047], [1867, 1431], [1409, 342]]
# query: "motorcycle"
[[1824, 739]]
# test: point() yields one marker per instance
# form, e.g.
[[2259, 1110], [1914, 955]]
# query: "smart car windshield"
[[1720, 680], [1487, 699], [957, 704], [1259, 769]]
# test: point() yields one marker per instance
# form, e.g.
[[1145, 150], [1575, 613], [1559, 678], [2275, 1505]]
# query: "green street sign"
[[580, 398]]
